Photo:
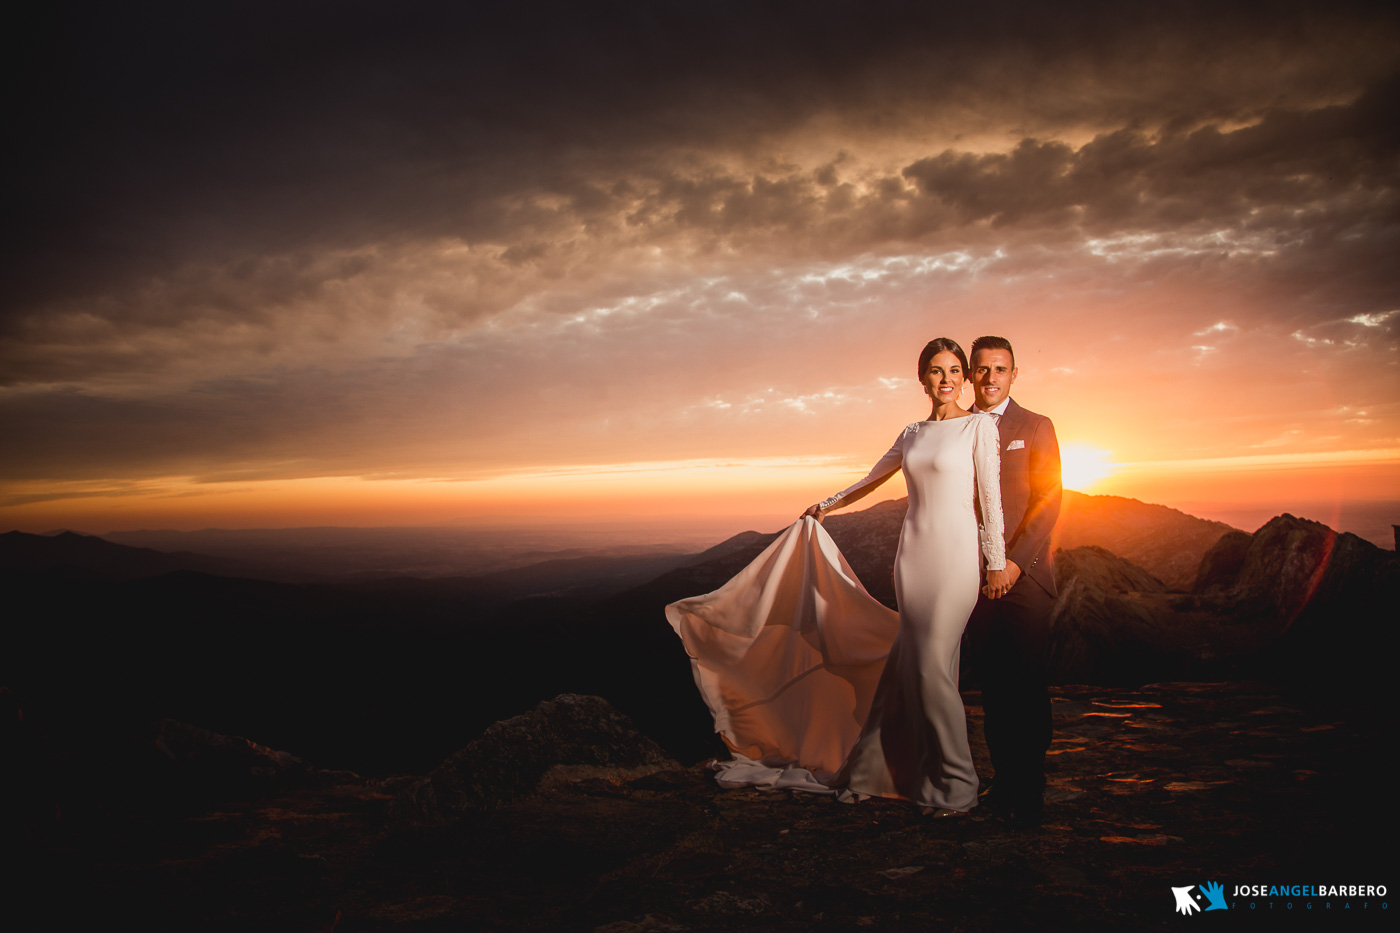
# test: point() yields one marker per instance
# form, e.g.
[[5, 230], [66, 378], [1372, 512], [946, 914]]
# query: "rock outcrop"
[[1301, 572], [1103, 570], [196, 755], [1323, 602], [569, 738], [1220, 568], [1111, 622]]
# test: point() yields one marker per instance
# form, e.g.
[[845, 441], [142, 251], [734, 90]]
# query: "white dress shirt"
[[995, 412]]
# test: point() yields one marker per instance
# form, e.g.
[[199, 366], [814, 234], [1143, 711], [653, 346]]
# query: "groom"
[[1008, 632]]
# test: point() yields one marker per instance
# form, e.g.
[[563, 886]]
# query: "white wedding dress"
[[817, 686]]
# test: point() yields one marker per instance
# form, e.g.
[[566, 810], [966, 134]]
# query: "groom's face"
[[992, 376]]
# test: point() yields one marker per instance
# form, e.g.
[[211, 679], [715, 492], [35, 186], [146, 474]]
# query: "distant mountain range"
[[89, 557], [319, 553], [1167, 543]]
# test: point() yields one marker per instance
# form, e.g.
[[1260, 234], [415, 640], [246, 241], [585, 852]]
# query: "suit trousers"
[[1006, 647]]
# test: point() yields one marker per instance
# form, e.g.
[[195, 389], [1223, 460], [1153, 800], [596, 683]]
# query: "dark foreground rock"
[[224, 764], [569, 738], [1169, 785]]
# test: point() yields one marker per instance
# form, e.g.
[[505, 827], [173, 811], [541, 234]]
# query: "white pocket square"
[[1015, 445]]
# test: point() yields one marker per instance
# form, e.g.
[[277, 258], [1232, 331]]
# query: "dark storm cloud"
[[156, 135], [1320, 188], [1133, 179]]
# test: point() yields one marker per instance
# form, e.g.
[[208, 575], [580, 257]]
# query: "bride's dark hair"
[[937, 346]]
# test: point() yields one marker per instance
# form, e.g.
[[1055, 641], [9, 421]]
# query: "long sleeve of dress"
[[888, 465], [986, 462]]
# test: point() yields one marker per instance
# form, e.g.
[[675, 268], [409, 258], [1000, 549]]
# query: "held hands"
[[1000, 582], [816, 512]]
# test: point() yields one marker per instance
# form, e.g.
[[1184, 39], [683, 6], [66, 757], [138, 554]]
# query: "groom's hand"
[[1000, 582]]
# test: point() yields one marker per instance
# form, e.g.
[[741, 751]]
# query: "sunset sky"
[[276, 264]]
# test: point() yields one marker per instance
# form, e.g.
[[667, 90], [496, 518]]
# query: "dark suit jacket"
[[1030, 491]]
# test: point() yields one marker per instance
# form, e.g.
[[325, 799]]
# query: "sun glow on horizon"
[[679, 490], [562, 492], [1082, 466]]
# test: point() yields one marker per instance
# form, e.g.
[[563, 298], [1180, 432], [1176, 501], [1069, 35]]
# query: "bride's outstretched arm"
[[889, 465]]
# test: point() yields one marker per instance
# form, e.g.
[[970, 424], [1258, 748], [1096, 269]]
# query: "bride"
[[814, 684]]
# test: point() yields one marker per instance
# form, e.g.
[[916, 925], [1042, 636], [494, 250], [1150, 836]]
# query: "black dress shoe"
[[1025, 811], [1028, 813]]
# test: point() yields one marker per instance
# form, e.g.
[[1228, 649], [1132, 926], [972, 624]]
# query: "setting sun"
[[1082, 466]]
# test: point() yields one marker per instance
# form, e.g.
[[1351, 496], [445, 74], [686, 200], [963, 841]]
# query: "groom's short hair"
[[993, 343]]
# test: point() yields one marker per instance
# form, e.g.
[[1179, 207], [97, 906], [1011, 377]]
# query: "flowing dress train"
[[813, 683]]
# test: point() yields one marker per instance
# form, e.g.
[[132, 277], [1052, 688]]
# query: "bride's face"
[[943, 378]]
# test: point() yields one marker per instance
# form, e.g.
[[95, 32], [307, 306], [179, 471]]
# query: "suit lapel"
[[1015, 482], [1009, 425]]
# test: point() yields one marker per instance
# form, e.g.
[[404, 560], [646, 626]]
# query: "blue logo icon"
[[1215, 894]]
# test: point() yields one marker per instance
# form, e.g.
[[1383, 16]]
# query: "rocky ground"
[[1157, 787]]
